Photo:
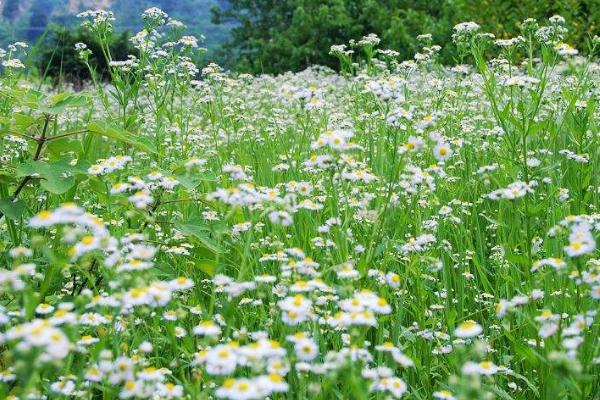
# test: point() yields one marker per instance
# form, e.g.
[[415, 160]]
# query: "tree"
[[273, 35], [277, 35]]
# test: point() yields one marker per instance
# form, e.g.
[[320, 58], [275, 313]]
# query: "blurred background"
[[274, 36]]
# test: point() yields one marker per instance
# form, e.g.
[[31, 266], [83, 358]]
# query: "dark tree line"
[[278, 35]]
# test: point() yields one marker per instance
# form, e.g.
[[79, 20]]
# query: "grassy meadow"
[[396, 229]]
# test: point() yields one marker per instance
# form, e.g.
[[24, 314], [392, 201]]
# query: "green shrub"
[[274, 36], [58, 59]]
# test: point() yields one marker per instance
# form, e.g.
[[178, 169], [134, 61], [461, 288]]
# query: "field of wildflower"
[[400, 229]]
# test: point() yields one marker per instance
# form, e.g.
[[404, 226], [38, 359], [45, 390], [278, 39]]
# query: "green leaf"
[[35, 168], [530, 385], [200, 231], [23, 121], [493, 221], [109, 130], [62, 101], [61, 146], [7, 176], [12, 209], [52, 175], [537, 209], [98, 187], [64, 166], [26, 97], [58, 186], [518, 259], [207, 266], [502, 393], [191, 181]]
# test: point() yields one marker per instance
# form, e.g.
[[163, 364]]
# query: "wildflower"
[[444, 395], [468, 329], [581, 240], [44, 308], [306, 349], [207, 328], [481, 368], [169, 390], [43, 219], [442, 151], [181, 283], [280, 218], [396, 387], [20, 251]]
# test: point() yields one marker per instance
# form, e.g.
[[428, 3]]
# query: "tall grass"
[[398, 229]]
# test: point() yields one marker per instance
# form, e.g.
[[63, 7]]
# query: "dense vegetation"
[[274, 36], [58, 57], [397, 229]]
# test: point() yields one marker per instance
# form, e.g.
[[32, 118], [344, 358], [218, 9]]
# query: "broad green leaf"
[[12, 209], [56, 177], [26, 97], [64, 166], [35, 168], [109, 130], [23, 121], [192, 180], [62, 101], [98, 187], [58, 186], [57, 169], [200, 231], [208, 267], [61, 146]]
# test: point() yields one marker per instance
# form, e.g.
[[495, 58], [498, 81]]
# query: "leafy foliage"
[[398, 230], [274, 36], [58, 58]]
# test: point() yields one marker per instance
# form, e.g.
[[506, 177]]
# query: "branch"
[[38, 152], [64, 135]]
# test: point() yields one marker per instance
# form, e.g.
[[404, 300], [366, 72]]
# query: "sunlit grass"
[[397, 229]]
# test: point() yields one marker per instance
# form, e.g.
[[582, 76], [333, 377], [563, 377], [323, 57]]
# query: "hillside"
[[27, 19]]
